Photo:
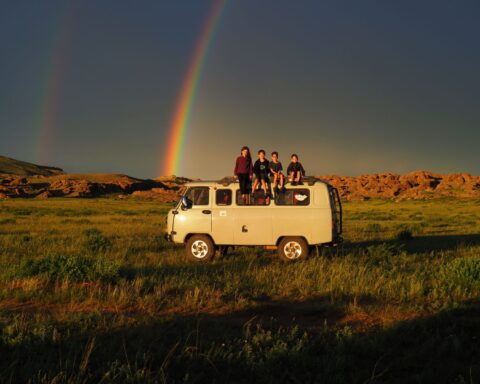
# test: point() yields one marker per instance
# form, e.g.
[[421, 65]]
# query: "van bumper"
[[169, 236]]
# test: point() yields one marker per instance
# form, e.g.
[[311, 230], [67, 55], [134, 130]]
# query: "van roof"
[[229, 181]]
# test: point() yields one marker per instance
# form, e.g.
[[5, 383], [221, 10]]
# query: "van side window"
[[223, 197], [199, 195], [258, 198], [293, 197]]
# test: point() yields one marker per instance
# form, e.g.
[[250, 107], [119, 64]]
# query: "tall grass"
[[90, 291]]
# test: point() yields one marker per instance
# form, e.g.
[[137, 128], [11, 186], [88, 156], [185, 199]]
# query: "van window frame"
[[306, 191], [221, 190], [198, 187], [238, 198]]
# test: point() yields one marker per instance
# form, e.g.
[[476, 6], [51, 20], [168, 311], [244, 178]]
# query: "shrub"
[[463, 273], [404, 235], [381, 254], [72, 268], [95, 241]]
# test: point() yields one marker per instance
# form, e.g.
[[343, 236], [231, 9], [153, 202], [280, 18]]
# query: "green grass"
[[90, 292]]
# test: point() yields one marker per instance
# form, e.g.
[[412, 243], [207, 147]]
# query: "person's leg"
[[282, 180], [264, 186], [255, 183], [298, 174], [241, 182], [275, 180], [291, 176]]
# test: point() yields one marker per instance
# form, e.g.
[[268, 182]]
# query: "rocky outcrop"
[[84, 185], [414, 185]]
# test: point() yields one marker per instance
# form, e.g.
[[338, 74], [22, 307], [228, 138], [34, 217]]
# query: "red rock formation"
[[413, 185]]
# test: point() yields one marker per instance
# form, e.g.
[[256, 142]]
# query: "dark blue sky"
[[353, 87]]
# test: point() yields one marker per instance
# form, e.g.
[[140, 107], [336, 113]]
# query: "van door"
[[253, 222], [222, 216], [198, 218]]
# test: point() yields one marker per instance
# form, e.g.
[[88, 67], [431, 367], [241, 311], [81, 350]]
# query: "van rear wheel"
[[200, 248], [292, 249]]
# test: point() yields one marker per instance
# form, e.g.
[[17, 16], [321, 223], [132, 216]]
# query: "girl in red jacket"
[[244, 171]]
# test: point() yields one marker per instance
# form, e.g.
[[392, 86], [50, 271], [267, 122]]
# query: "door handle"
[[244, 228], [206, 211]]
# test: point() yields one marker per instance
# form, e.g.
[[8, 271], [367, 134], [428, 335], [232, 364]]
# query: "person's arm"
[[289, 168], [256, 168], [235, 171], [280, 167], [302, 170]]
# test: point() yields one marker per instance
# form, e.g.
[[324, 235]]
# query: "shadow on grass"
[[443, 348], [233, 261], [420, 244]]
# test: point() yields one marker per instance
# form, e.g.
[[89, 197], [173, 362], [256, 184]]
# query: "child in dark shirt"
[[295, 170], [261, 169], [244, 171], [276, 170]]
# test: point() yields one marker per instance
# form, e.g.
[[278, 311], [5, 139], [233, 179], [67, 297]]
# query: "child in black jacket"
[[295, 170], [261, 169]]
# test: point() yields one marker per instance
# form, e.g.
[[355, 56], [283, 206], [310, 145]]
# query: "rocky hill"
[[26, 180], [22, 168], [414, 185], [19, 179], [87, 185]]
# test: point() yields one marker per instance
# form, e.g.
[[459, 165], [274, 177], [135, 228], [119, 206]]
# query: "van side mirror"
[[186, 203]]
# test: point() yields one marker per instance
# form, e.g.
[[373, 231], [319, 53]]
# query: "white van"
[[212, 215]]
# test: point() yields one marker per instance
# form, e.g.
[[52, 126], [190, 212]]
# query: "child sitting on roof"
[[295, 171], [276, 169], [261, 169]]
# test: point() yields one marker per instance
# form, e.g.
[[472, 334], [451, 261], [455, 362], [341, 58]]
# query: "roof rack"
[[309, 180]]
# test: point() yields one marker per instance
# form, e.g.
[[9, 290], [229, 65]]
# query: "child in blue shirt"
[[276, 169]]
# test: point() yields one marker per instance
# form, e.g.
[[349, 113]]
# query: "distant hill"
[[22, 168]]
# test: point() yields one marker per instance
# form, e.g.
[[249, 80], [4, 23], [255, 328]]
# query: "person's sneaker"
[[300, 183], [294, 183]]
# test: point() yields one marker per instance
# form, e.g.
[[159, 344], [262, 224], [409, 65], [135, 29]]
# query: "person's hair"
[[275, 153], [294, 155], [249, 157], [261, 151]]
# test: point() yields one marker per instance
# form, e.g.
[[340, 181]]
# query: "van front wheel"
[[200, 248], [292, 249]]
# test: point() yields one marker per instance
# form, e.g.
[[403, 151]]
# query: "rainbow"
[[51, 91], [172, 161]]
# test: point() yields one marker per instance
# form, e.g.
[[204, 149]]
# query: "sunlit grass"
[[378, 279]]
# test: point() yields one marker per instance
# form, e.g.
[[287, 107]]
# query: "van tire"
[[292, 249], [200, 248]]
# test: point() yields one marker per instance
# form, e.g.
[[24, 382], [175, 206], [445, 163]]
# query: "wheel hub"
[[292, 250], [199, 249]]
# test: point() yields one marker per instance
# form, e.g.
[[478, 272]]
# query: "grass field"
[[90, 292]]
